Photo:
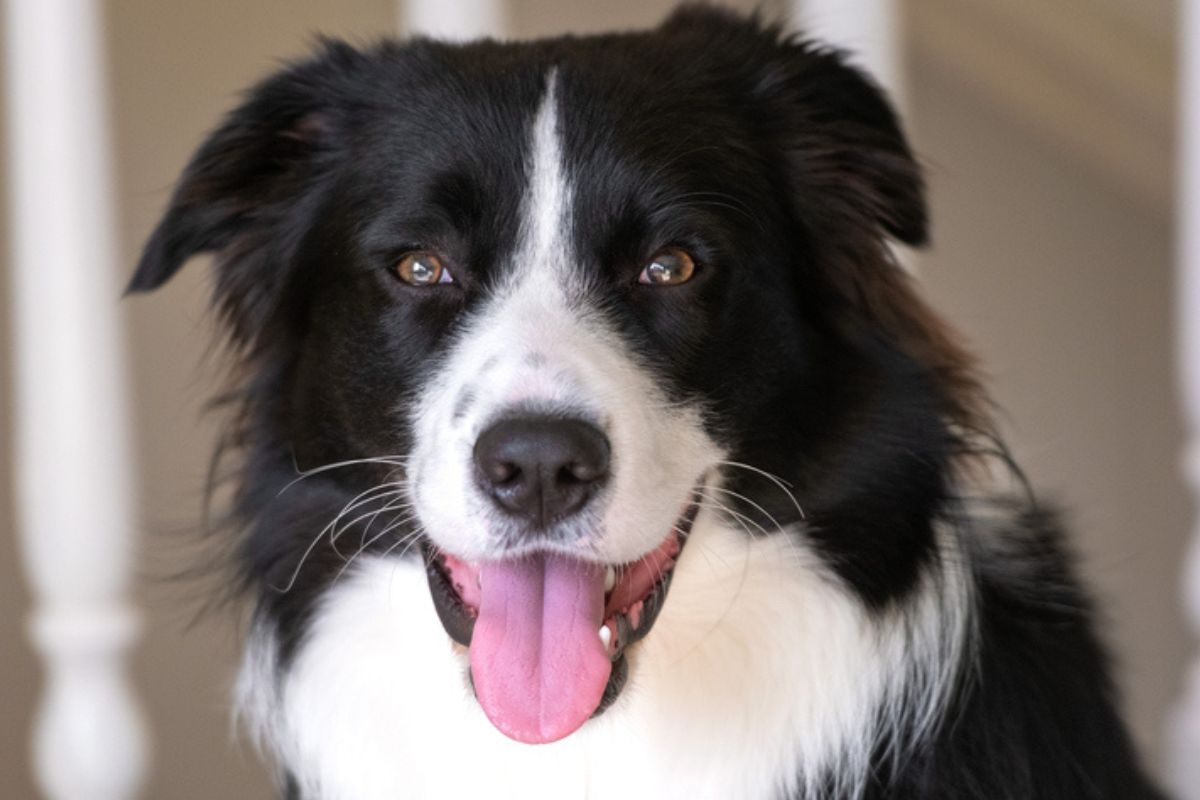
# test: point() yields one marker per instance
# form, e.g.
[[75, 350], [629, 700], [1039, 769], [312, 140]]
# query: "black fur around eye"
[[670, 266], [422, 268]]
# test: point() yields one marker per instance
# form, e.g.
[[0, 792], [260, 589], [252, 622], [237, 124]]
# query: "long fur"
[[858, 613]]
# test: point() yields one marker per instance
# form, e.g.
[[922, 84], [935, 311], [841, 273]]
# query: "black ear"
[[833, 122], [248, 180], [847, 145]]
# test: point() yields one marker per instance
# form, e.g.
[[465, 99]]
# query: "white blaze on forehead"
[[539, 345], [545, 231], [533, 335]]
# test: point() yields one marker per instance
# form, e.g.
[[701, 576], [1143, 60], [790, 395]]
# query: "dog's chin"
[[547, 633]]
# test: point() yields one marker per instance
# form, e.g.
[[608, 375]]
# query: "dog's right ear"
[[248, 176]]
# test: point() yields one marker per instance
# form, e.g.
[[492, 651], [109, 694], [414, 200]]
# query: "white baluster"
[[1184, 767], [70, 444], [868, 29], [454, 19]]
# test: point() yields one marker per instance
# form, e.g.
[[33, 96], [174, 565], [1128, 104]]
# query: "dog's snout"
[[541, 469]]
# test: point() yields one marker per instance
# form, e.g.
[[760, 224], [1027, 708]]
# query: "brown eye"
[[669, 267], [422, 268]]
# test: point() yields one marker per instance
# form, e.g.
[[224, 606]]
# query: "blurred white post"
[[868, 29], [454, 19], [71, 449], [1184, 767]]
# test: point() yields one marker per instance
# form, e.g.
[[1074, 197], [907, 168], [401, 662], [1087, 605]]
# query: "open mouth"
[[547, 633]]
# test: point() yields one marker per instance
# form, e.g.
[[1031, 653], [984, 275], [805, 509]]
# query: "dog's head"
[[545, 301]]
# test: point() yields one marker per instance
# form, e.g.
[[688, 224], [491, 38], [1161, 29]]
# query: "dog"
[[588, 440]]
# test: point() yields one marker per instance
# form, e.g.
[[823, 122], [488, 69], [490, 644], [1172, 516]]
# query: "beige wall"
[[1063, 287], [1061, 283], [18, 672]]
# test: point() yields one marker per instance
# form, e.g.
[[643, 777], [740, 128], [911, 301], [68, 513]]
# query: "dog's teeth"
[[605, 636], [610, 579]]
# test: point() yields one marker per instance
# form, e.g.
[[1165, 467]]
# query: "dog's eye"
[[669, 267], [422, 268]]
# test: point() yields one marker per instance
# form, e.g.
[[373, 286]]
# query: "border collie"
[[589, 441]]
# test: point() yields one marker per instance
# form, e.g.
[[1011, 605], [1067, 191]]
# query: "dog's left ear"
[[848, 152], [850, 163]]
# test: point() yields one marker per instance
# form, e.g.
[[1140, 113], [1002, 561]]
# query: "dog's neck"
[[759, 652]]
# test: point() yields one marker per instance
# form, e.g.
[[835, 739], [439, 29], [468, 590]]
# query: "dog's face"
[[546, 296]]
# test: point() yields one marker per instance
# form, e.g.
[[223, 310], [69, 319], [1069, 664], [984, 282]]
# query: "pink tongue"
[[536, 659]]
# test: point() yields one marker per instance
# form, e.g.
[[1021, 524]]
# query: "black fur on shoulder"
[[1035, 715]]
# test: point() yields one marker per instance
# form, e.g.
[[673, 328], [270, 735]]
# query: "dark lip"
[[459, 621]]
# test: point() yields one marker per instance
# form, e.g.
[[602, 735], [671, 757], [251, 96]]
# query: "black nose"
[[541, 469]]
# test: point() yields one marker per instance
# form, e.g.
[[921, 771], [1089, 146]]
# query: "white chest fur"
[[760, 670]]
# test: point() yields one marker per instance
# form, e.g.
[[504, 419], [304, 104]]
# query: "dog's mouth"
[[547, 633]]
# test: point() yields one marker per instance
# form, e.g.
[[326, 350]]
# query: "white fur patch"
[[538, 346], [762, 676]]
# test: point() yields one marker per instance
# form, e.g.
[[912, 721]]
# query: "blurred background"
[[1046, 127]]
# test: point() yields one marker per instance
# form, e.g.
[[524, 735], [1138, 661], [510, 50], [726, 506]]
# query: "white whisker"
[[783, 485], [397, 461], [388, 529], [374, 493]]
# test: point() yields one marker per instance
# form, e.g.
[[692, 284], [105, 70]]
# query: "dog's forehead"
[[474, 110], [467, 166]]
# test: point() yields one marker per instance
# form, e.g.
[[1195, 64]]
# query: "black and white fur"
[[852, 617]]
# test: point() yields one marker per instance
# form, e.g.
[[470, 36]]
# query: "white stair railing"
[[453, 19], [70, 444], [868, 29]]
